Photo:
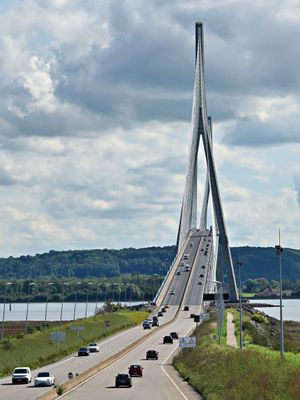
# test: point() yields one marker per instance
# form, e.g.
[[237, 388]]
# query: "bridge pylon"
[[202, 129]]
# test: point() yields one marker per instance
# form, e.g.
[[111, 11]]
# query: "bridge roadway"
[[187, 289]]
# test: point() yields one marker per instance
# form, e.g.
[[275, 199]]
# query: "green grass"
[[219, 372], [248, 295], [36, 349]]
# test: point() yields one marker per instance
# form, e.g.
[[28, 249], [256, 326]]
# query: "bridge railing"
[[165, 280]]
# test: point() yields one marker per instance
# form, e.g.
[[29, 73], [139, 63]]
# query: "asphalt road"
[[187, 289], [156, 383], [77, 364]]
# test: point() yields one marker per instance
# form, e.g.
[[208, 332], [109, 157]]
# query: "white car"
[[44, 379], [172, 292], [21, 375], [94, 348]]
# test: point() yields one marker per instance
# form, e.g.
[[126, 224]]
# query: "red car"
[[136, 370]]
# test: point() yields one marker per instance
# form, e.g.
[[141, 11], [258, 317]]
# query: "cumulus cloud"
[[95, 115]]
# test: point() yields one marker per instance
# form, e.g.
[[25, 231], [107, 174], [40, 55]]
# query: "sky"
[[95, 120]]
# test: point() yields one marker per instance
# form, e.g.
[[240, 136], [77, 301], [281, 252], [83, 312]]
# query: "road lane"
[[155, 384], [75, 364]]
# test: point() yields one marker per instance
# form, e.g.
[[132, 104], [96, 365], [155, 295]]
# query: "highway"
[[155, 384], [187, 291]]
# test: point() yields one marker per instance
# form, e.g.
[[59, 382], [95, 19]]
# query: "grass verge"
[[219, 372], [37, 349]]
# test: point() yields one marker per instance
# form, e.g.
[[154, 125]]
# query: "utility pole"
[[239, 263], [279, 251]]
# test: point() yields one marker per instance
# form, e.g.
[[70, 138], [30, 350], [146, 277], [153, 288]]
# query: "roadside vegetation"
[[37, 349], [219, 372]]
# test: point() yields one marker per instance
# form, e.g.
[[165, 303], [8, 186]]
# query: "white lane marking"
[[110, 365], [168, 376]]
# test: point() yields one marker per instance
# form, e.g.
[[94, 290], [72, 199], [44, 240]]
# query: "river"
[[290, 312], [36, 311]]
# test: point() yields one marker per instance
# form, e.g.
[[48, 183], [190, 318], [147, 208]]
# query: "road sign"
[[77, 328], [204, 317], [196, 318], [107, 324], [57, 336], [189, 341]]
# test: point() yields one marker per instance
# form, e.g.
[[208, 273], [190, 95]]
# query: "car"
[[203, 267], [160, 314], [172, 292], [123, 380], [94, 348], [44, 378], [202, 249], [163, 309], [191, 244], [21, 375], [168, 339], [187, 269], [166, 306], [201, 276], [152, 354], [155, 318], [83, 351], [135, 370], [186, 256], [186, 308], [147, 325], [155, 323], [178, 273], [192, 315], [199, 283], [174, 335]]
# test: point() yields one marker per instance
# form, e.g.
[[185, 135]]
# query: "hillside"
[[256, 262]]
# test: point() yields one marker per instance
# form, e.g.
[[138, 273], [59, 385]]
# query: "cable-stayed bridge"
[[203, 258]]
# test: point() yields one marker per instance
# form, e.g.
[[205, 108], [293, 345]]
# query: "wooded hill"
[[256, 262]]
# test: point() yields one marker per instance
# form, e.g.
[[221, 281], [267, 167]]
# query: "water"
[[290, 312], [36, 311]]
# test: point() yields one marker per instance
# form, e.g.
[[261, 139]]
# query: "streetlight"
[[75, 304], [87, 299], [279, 251], [7, 284], [28, 293], [97, 293], [239, 263], [46, 309], [62, 302]]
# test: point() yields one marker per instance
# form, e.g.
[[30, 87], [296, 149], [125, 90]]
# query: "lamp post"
[[46, 308], [279, 251], [75, 303], [239, 263], [97, 294], [87, 300], [7, 284], [27, 308], [62, 302]]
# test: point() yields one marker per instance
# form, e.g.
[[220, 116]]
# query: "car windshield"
[[83, 349], [134, 366], [122, 376], [20, 371], [93, 344], [43, 374]]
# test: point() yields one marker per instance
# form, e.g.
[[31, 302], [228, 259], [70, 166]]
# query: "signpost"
[[189, 341], [57, 337], [77, 328], [107, 324]]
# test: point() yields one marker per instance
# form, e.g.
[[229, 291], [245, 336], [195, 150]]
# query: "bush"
[[7, 344], [259, 318]]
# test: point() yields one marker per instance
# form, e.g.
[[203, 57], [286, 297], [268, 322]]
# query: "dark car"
[[174, 335], [155, 323], [160, 314], [135, 370], [163, 309], [166, 306], [203, 266], [147, 325], [186, 308], [83, 351], [201, 276], [123, 380], [199, 283], [152, 354], [178, 273], [167, 339]]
